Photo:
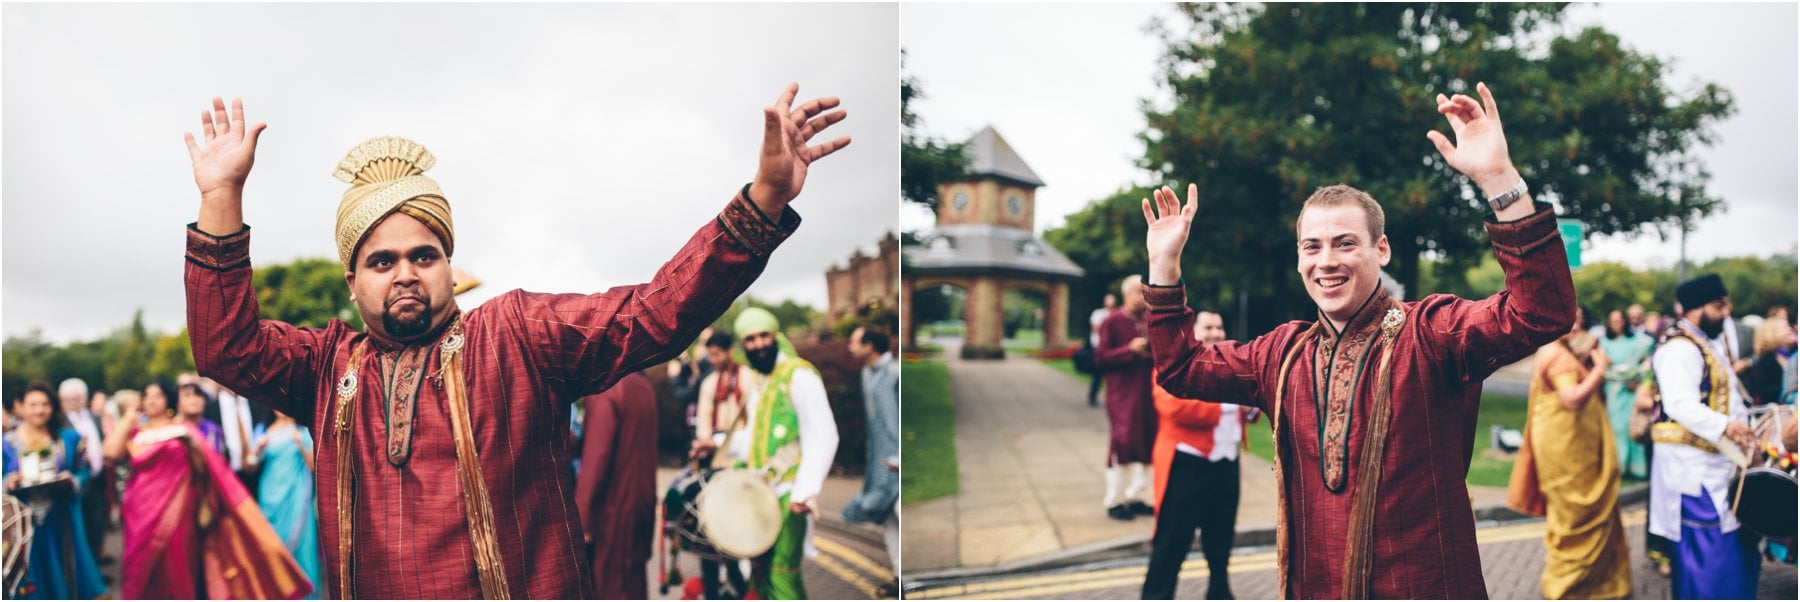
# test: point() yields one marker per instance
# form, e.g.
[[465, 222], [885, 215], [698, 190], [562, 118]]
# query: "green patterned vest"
[[775, 438]]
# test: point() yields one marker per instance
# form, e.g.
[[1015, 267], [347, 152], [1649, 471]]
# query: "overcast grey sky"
[[1063, 84], [579, 145]]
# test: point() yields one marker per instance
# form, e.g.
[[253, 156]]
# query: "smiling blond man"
[[1375, 401]]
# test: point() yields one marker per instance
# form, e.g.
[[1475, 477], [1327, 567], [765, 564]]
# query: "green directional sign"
[[1571, 238]]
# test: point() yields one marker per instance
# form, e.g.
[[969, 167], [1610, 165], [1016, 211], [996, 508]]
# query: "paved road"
[[1512, 558]]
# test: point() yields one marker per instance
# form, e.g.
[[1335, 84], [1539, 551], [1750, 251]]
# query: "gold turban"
[[387, 175]]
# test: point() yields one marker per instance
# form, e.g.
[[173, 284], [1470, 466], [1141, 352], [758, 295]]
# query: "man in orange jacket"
[[1195, 456]]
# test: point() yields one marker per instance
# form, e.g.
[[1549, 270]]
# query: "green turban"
[[754, 320]]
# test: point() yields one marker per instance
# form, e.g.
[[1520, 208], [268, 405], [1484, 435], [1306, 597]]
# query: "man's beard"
[[762, 360], [399, 329], [1712, 328]]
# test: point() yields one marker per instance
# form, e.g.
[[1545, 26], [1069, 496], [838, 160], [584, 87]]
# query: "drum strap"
[[721, 456]]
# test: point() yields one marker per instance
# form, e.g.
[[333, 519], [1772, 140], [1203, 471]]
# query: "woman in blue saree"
[[61, 566], [285, 492]]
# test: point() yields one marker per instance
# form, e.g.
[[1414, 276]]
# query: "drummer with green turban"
[[789, 437]]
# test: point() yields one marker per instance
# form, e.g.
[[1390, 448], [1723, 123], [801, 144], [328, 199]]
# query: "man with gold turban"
[[441, 465]]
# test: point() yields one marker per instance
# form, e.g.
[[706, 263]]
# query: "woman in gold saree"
[[1576, 461]]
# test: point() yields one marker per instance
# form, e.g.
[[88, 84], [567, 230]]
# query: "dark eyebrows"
[[1339, 238], [376, 256], [390, 255]]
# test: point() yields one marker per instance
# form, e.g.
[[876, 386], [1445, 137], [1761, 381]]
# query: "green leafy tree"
[[1606, 286], [305, 292], [172, 356], [924, 161], [130, 369], [1273, 101], [796, 319]]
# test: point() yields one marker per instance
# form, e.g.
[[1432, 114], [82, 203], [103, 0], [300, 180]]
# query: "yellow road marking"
[[1039, 586], [1128, 574], [874, 569], [1135, 577], [847, 575]]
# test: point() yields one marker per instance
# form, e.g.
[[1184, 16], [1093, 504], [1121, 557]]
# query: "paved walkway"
[[1032, 457]]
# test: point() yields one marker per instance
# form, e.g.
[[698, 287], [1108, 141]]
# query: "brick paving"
[[1512, 558]]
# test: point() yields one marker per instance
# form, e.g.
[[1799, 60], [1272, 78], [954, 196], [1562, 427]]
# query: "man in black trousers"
[[1196, 461]]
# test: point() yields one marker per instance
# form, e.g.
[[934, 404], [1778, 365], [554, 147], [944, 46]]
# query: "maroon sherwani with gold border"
[[1130, 410], [525, 358], [1420, 540]]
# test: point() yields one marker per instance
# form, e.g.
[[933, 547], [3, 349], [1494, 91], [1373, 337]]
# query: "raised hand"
[[1480, 150], [222, 165], [781, 167], [224, 162], [1168, 233]]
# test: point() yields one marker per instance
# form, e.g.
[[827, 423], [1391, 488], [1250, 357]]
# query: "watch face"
[[1014, 204], [961, 200]]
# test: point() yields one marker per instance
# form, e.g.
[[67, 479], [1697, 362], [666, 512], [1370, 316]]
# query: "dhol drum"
[[721, 514], [15, 541], [1764, 493]]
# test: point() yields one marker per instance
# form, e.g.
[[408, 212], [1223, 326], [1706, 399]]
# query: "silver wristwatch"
[[1506, 199]]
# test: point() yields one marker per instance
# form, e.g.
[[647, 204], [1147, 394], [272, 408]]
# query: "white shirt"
[[1226, 436], [234, 413], [818, 429], [1676, 469], [1094, 320], [83, 422]]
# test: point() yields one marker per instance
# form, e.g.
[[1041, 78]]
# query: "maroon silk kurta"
[[616, 490], [1424, 533], [526, 357], [1129, 408]]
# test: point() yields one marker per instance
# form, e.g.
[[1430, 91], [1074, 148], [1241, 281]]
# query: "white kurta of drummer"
[[1676, 469], [818, 430]]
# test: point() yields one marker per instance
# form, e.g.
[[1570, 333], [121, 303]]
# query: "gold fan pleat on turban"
[[387, 175]]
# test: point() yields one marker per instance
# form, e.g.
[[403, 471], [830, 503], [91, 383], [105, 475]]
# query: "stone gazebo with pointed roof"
[[984, 244]]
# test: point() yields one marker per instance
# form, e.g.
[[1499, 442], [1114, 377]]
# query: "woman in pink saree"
[[191, 530]]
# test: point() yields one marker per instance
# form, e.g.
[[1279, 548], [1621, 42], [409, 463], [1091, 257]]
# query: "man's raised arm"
[[268, 361], [1224, 373], [1538, 303], [589, 341]]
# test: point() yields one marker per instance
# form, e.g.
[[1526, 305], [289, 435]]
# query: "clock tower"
[[985, 244]]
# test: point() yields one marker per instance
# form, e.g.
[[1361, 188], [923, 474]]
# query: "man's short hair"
[[1338, 195], [721, 339], [1208, 309], [875, 336], [74, 385]]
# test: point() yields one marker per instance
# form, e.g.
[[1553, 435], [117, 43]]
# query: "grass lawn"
[[1026, 343], [928, 432], [1504, 410]]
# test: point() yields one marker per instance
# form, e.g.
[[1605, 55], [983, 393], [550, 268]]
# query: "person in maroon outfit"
[[441, 460], [1374, 403], [1124, 358], [616, 490]]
